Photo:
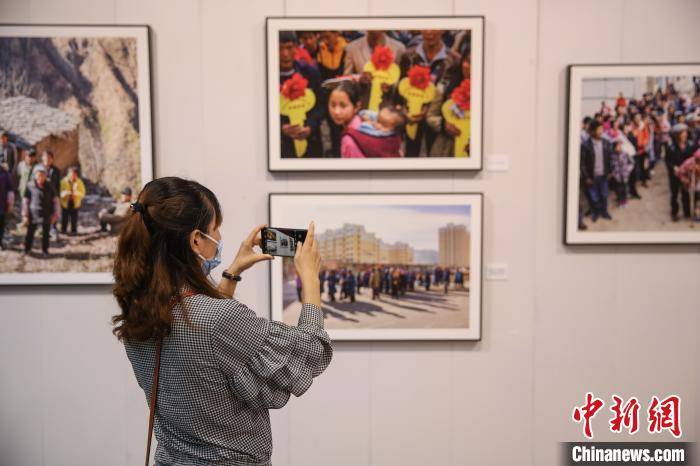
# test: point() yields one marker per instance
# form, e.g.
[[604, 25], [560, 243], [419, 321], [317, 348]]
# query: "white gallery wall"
[[609, 320]]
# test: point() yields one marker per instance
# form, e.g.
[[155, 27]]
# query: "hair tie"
[[145, 218], [137, 207]]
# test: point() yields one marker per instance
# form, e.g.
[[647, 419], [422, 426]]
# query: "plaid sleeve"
[[311, 317], [267, 361]]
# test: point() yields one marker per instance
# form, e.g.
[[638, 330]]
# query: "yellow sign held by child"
[[418, 90], [383, 71], [296, 100], [463, 123], [456, 111], [296, 111]]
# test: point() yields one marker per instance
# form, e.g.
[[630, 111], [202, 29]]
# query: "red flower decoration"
[[382, 57], [301, 54], [419, 76], [294, 87], [461, 95]]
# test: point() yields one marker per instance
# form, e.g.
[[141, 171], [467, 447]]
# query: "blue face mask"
[[210, 264]]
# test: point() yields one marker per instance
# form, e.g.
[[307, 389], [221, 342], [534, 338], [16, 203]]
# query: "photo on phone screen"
[[281, 241]]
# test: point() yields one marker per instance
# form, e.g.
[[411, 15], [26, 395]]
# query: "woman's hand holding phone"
[[247, 256], [307, 261]]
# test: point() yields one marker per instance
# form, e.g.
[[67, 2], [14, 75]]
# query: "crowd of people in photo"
[[345, 283], [621, 146], [341, 122], [36, 191]]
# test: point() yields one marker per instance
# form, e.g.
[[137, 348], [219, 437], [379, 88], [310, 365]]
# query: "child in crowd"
[[331, 54], [343, 105], [689, 174], [7, 198], [380, 124], [365, 134], [622, 166], [379, 134]]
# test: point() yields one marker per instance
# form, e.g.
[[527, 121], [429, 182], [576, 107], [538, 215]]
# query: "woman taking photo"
[[221, 368]]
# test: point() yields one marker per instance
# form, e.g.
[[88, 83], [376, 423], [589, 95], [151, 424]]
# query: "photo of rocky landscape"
[[72, 106]]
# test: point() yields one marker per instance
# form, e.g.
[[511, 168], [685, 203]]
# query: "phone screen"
[[281, 241]]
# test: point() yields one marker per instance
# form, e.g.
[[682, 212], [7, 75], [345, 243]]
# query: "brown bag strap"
[[154, 397], [154, 385]]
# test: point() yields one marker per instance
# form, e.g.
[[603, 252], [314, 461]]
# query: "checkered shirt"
[[218, 381]]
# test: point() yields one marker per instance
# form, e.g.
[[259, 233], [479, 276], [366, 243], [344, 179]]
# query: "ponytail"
[[133, 249], [154, 260]]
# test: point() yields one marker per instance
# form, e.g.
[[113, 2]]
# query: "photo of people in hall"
[[639, 154], [375, 93]]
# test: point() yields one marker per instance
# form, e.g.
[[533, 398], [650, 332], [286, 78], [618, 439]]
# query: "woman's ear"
[[195, 241]]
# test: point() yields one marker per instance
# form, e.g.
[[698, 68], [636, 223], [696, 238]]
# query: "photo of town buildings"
[[385, 266]]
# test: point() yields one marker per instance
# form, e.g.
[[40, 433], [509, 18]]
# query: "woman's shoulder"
[[204, 310], [221, 319], [214, 306], [220, 311]]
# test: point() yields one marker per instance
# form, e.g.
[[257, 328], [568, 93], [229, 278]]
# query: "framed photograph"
[[633, 159], [394, 266], [375, 93], [77, 147]]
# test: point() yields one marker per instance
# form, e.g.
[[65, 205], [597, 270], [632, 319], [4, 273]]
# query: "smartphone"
[[281, 241]]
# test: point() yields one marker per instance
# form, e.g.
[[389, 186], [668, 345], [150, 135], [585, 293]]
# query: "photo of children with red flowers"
[[374, 98]]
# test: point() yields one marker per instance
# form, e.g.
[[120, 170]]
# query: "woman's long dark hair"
[[154, 258]]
